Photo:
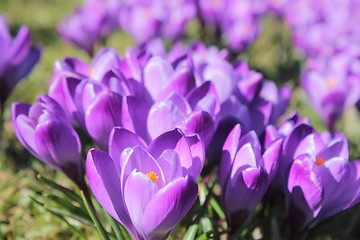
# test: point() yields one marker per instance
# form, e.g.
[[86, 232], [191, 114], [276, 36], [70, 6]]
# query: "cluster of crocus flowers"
[[326, 33], [238, 22], [156, 114], [145, 20], [17, 58]]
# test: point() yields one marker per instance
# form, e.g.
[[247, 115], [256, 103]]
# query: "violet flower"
[[148, 189], [237, 21], [194, 114], [17, 58], [44, 129], [319, 179], [91, 22], [101, 109], [332, 84], [145, 20], [245, 174]]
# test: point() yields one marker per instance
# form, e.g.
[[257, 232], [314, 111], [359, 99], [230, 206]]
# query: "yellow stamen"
[[319, 161], [152, 176]]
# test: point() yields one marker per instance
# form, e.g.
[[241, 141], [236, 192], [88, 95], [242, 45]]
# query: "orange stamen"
[[152, 176], [90, 71], [331, 82], [319, 161]]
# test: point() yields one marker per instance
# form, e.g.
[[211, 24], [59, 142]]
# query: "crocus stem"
[[83, 187], [1, 119], [115, 228], [93, 216]]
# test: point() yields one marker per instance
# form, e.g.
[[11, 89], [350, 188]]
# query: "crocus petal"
[[168, 206], [200, 123], [18, 109], [176, 141], [169, 162], [270, 135], [106, 60], [157, 73], [197, 148], [4, 30], [25, 132], [251, 185], [119, 140], [338, 176], [271, 158], [182, 82], [20, 45], [105, 184], [134, 115], [205, 98], [59, 145], [72, 65], [102, 116], [138, 191], [230, 149], [62, 89], [306, 192], [165, 112], [17, 72], [290, 145]]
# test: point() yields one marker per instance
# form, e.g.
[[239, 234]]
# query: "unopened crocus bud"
[[245, 174], [17, 58], [44, 129]]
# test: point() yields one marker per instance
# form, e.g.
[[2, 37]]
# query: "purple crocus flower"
[[146, 188], [44, 129], [319, 179], [161, 78], [194, 114], [17, 58], [245, 174], [145, 20], [102, 109], [95, 20], [332, 84], [237, 21]]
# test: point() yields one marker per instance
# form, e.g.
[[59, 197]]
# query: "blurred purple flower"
[[318, 177], [90, 23], [145, 20], [332, 84], [245, 174], [44, 129], [17, 58], [146, 188], [237, 21]]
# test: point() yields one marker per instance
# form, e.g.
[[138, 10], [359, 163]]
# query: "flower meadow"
[[180, 119]]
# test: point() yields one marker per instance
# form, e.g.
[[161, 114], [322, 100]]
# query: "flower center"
[[152, 176], [319, 161], [90, 71], [331, 82]]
